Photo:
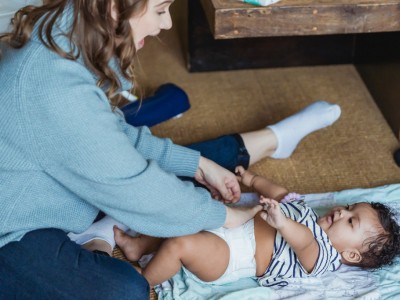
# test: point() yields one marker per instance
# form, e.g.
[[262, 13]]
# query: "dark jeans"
[[45, 264], [227, 151]]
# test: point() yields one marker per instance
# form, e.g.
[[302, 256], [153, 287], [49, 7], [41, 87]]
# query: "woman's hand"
[[222, 184], [246, 177], [272, 213]]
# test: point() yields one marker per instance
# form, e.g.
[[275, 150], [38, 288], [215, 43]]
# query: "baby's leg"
[[135, 247], [204, 254]]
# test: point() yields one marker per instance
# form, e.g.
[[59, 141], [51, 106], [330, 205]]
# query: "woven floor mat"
[[355, 152]]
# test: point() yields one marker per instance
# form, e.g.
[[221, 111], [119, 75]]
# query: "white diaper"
[[242, 246]]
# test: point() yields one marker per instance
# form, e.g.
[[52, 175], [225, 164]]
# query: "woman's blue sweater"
[[65, 154]]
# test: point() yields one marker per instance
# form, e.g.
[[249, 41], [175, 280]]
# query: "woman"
[[67, 154]]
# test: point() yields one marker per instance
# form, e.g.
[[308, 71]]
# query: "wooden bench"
[[230, 34], [234, 19]]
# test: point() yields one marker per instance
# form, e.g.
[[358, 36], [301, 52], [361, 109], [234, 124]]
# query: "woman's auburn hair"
[[94, 32]]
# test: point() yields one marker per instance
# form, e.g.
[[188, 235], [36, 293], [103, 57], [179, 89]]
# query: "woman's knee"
[[117, 279], [137, 288], [131, 285]]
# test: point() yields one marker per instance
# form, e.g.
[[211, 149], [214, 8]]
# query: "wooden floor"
[[355, 152]]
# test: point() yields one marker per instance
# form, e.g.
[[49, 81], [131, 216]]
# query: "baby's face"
[[349, 226]]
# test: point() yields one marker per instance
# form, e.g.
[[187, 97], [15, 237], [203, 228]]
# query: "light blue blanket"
[[346, 283]]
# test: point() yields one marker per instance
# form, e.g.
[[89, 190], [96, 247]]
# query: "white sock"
[[100, 230], [292, 130]]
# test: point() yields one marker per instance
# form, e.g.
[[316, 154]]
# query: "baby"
[[285, 240]]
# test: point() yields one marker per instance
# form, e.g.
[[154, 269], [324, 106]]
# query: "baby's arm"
[[261, 185], [298, 236]]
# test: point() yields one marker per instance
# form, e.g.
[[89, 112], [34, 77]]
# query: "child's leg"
[[204, 254]]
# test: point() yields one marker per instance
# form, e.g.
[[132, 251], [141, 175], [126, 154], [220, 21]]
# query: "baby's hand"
[[272, 213], [244, 176]]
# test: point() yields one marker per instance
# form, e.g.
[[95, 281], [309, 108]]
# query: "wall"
[[8, 9]]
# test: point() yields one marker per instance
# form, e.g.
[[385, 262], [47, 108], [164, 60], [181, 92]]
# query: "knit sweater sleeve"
[[78, 141], [179, 160]]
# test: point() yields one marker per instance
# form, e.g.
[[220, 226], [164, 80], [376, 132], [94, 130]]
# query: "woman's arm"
[[261, 185], [183, 161], [298, 236], [172, 158], [222, 183], [77, 142]]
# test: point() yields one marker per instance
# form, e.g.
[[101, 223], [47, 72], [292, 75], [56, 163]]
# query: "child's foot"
[[240, 215], [290, 131], [129, 245]]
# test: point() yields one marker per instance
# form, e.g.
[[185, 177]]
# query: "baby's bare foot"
[[239, 215], [129, 245]]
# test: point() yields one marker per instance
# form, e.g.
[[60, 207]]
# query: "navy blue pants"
[[228, 151], [45, 264]]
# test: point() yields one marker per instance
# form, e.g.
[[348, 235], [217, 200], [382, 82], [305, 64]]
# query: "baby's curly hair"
[[384, 247]]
